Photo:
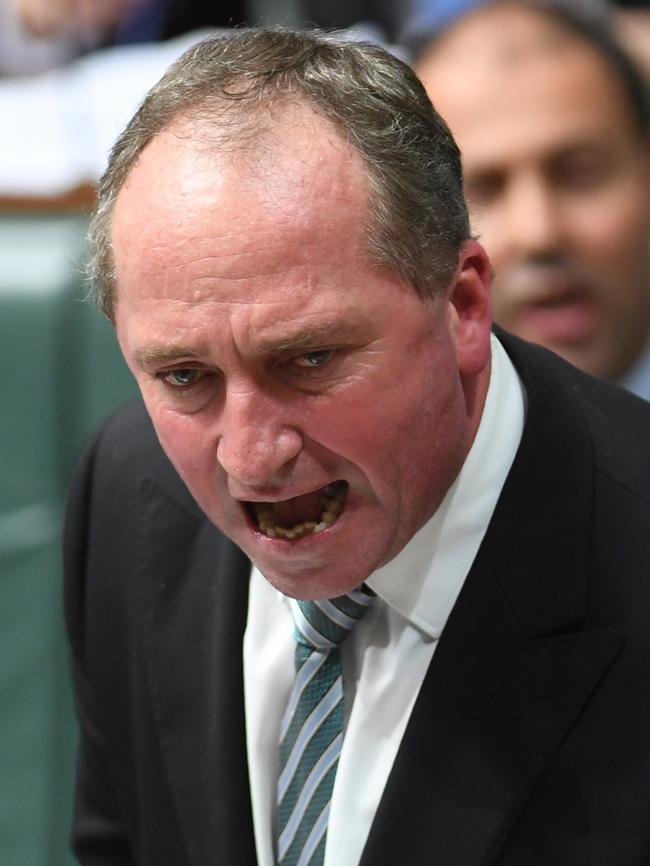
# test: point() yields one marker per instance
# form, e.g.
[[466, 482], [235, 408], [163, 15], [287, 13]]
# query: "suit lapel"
[[515, 664], [192, 613], [478, 741]]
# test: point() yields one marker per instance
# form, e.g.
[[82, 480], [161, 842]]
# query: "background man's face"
[[312, 403], [557, 181]]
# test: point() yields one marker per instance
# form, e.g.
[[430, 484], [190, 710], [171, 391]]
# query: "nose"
[[256, 446], [532, 223]]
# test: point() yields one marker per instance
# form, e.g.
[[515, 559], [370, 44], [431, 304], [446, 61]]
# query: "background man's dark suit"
[[529, 743]]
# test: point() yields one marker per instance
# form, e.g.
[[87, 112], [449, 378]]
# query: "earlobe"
[[470, 309]]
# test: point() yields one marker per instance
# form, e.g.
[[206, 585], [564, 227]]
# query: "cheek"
[[612, 230], [346, 426], [394, 433]]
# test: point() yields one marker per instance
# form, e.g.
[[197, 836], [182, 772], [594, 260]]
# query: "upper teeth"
[[332, 505]]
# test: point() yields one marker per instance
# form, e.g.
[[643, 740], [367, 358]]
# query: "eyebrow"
[[154, 355], [319, 335], [151, 356]]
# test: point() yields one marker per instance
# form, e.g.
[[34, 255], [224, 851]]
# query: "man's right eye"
[[482, 188]]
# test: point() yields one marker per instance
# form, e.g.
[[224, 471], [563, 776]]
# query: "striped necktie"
[[311, 734]]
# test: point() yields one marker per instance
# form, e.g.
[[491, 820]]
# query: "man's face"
[[313, 404], [557, 180]]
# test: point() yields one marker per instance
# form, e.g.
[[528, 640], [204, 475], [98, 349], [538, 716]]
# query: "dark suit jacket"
[[529, 744]]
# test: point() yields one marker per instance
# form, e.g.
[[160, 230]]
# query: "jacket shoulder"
[[123, 452], [616, 422]]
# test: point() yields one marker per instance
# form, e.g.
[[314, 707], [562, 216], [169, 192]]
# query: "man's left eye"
[[310, 360], [184, 377]]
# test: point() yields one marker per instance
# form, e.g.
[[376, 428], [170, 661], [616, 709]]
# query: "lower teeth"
[[332, 507]]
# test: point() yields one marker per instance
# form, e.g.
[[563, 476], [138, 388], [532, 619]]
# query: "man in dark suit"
[[282, 244]]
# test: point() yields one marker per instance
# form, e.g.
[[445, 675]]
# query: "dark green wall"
[[60, 372]]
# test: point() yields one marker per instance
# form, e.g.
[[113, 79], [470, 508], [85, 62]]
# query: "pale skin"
[[52, 18], [557, 178], [274, 358]]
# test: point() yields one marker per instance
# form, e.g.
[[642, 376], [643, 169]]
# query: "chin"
[[312, 581]]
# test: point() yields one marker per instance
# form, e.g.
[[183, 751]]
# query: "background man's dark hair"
[[592, 29], [598, 35], [228, 89]]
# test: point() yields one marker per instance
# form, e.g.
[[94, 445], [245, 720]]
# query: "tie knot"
[[323, 625]]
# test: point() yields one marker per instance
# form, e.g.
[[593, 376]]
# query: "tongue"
[[291, 512]]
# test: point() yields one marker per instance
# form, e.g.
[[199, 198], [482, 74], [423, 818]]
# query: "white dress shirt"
[[387, 655], [637, 380]]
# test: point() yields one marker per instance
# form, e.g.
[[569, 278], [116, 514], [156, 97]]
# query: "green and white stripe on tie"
[[311, 733]]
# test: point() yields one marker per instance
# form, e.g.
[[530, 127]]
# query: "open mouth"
[[564, 316], [303, 515], [559, 300]]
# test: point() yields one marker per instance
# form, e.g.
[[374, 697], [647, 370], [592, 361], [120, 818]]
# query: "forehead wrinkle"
[[261, 260], [218, 249], [250, 207], [270, 286]]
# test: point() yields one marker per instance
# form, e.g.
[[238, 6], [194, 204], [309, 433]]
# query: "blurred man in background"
[[552, 121]]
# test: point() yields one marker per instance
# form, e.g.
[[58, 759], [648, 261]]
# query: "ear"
[[470, 309]]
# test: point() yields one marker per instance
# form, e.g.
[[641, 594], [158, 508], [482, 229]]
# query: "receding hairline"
[[536, 28], [547, 32], [417, 214], [261, 156], [251, 128]]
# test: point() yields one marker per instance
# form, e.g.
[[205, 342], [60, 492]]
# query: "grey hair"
[[417, 213]]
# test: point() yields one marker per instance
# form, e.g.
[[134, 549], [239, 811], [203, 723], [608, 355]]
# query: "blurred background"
[[71, 74]]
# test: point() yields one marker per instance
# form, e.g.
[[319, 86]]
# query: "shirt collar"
[[637, 380], [424, 580]]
